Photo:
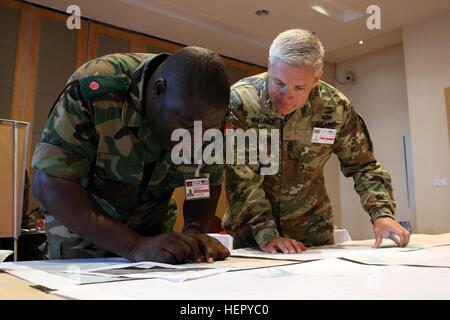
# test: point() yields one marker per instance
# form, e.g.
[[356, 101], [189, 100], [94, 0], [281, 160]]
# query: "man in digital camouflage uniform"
[[104, 170], [290, 209]]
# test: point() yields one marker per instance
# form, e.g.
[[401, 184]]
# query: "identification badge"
[[197, 188], [323, 135]]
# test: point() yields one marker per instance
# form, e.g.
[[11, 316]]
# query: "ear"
[[159, 87], [318, 78], [268, 63]]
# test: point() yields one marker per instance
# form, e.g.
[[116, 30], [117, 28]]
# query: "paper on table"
[[51, 273], [435, 256], [181, 272], [323, 252], [425, 240], [325, 279], [146, 270], [4, 254], [245, 263]]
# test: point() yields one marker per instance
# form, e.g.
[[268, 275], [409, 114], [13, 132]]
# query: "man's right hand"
[[285, 245], [172, 247]]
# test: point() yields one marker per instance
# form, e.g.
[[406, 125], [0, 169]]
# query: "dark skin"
[[74, 207]]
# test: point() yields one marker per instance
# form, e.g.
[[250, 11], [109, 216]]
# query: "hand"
[[40, 223], [211, 248], [286, 245], [386, 224], [169, 247]]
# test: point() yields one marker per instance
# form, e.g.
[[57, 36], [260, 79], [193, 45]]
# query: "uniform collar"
[[133, 109], [265, 101]]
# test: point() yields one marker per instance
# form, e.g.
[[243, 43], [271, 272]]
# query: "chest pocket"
[[117, 168], [301, 156], [114, 177], [167, 176]]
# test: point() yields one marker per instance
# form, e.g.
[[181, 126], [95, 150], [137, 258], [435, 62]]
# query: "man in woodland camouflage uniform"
[[104, 170], [290, 209]]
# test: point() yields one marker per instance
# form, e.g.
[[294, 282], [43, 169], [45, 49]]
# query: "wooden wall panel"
[[17, 101]]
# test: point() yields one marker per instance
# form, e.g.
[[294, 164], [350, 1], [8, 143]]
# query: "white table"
[[330, 279]]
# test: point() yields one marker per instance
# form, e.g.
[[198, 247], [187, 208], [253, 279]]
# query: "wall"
[[9, 21], [379, 96], [427, 61]]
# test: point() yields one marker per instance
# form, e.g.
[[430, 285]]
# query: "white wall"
[[379, 95], [427, 61]]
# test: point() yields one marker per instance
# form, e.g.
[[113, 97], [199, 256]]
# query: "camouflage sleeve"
[[372, 182], [249, 213], [69, 142]]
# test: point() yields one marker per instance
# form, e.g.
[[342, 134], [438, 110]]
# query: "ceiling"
[[232, 28]]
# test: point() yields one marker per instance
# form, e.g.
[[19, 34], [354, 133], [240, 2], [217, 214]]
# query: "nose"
[[286, 94]]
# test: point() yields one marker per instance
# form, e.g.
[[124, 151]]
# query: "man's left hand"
[[384, 225]]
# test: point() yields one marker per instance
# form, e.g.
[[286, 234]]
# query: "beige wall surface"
[[427, 61], [379, 96], [447, 102]]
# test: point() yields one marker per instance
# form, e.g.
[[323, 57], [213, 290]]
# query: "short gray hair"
[[298, 47]]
